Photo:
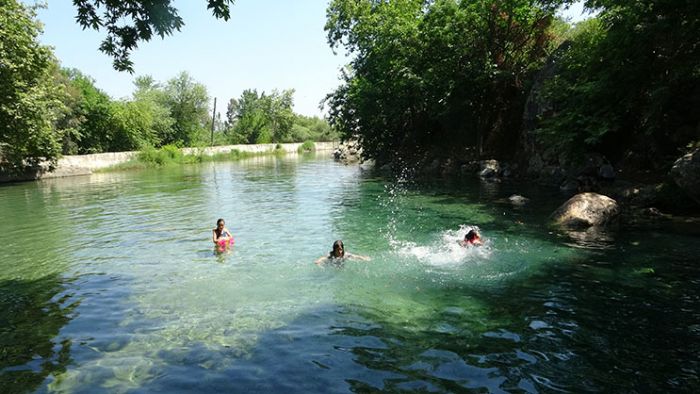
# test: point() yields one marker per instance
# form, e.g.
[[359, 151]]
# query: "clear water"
[[109, 283]]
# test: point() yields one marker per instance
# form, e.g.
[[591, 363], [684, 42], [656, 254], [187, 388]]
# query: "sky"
[[266, 45]]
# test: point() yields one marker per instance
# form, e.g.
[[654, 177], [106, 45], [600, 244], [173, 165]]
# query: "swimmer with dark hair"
[[338, 255], [221, 236], [471, 238]]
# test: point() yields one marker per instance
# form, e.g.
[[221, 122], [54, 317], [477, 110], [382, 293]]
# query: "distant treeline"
[[47, 110], [454, 76]]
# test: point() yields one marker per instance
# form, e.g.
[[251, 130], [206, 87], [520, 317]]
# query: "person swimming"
[[472, 237], [220, 235], [338, 255]]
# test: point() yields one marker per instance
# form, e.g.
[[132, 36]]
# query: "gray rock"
[[686, 174], [368, 164], [348, 152], [489, 168], [518, 200], [586, 210]]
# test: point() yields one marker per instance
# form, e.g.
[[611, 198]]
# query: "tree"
[[188, 102], [279, 112], [231, 111], [251, 124], [150, 95], [629, 83], [129, 21], [93, 114], [134, 125], [436, 75], [262, 118], [30, 101]]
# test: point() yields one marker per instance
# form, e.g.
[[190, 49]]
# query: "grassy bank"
[[170, 155]]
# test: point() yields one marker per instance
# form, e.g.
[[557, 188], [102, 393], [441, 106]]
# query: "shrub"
[[307, 146]]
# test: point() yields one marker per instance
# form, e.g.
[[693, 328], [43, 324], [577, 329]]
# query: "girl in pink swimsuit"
[[221, 236]]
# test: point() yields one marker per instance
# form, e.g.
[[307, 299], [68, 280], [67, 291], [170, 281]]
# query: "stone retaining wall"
[[85, 164]]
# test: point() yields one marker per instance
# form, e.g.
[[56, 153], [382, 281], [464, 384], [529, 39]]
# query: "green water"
[[109, 283]]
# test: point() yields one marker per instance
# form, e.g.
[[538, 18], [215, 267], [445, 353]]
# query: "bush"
[[169, 154], [307, 146], [172, 152]]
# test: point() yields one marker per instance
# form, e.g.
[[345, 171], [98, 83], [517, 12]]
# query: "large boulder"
[[586, 210], [686, 174], [349, 152]]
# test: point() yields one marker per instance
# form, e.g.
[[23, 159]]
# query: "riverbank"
[[76, 165]]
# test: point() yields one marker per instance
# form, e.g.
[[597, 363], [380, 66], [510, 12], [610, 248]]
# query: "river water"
[[109, 283]]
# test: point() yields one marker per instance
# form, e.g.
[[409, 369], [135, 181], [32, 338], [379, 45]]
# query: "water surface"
[[109, 283]]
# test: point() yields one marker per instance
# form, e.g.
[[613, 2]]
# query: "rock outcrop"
[[586, 210], [349, 152], [686, 174], [489, 169]]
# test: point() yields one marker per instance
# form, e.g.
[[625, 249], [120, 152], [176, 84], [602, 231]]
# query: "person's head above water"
[[472, 237], [220, 224], [338, 249]]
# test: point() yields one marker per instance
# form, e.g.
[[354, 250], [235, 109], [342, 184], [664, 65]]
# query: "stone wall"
[[85, 164]]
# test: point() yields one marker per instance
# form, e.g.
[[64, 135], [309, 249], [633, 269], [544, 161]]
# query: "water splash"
[[446, 250], [393, 198]]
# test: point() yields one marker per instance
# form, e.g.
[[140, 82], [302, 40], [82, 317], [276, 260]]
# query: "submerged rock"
[[586, 210], [518, 200], [686, 174]]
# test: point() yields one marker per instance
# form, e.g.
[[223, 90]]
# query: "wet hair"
[[471, 235], [216, 230], [337, 244]]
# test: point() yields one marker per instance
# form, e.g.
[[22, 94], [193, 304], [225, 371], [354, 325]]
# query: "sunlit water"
[[110, 283]]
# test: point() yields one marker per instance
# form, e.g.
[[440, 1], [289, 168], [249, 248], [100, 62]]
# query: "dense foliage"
[[28, 98], [453, 76], [629, 83], [263, 118], [131, 21], [436, 74]]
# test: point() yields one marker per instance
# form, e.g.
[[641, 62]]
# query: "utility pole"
[[213, 119]]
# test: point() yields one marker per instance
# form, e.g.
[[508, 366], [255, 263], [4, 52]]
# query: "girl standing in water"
[[221, 236]]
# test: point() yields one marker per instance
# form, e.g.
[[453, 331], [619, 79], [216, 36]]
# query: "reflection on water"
[[110, 283], [31, 318]]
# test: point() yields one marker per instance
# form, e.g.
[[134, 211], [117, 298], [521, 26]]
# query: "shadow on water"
[[546, 333], [32, 314]]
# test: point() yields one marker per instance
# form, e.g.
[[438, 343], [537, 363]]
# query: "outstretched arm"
[[213, 236], [320, 260], [357, 257]]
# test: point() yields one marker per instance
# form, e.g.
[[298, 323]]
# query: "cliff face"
[[637, 166], [536, 105]]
